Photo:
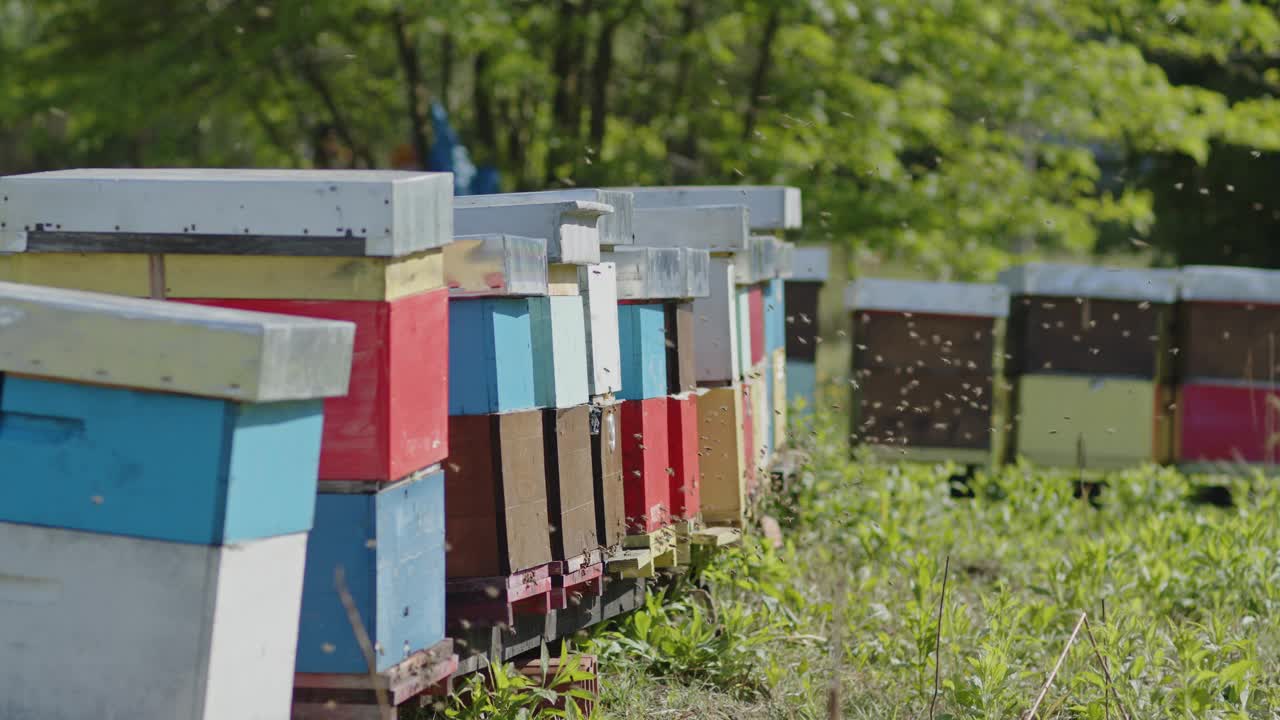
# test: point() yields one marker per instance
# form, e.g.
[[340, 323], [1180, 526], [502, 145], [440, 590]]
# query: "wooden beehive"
[[570, 227], [169, 457], [496, 265], [244, 277], [105, 459], [356, 246], [761, 423], [393, 421], [614, 228], [399, 311], [228, 401], [779, 400], [598, 285], [642, 332], [720, 462], [802, 320], [681, 362], [389, 546], [645, 468], [746, 332], [1099, 422], [810, 269], [755, 304], [559, 338], [715, 321], [227, 212], [496, 496], [570, 490], [771, 207], [924, 367], [1227, 337], [775, 315], [682, 439], [748, 446], [148, 629], [1228, 324], [1089, 363], [802, 384], [490, 356], [1226, 422], [1089, 320], [606, 473]]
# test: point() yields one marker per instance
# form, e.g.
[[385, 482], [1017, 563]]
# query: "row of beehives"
[[542, 387], [1074, 366]]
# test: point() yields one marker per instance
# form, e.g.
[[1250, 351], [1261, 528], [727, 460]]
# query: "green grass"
[[1183, 602]]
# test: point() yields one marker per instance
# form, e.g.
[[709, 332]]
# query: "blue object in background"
[[642, 340], [448, 154], [490, 356], [486, 181], [390, 546], [156, 465], [775, 315]]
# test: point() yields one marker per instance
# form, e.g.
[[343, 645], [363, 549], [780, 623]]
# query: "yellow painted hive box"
[[259, 277], [1106, 422], [779, 398], [723, 482], [761, 432]]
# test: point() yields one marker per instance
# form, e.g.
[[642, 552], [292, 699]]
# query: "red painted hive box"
[[645, 452], [682, 428], [394, 419]]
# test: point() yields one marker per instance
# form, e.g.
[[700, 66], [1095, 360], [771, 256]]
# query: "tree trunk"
[[761, 74], [446, 67], [339, 120], [566, 103], [601, 70], [415, 92], [682, 151], [486, 131]]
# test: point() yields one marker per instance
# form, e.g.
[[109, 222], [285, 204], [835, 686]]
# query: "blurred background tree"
[[945, 134]]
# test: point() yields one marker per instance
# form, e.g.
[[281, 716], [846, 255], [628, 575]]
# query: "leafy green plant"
[[501, 692], [1182, 600], [688, 640]]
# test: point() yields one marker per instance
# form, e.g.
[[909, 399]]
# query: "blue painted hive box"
[[201, 425], [643, 340], [390, 546], [490, 351], [775, 315]]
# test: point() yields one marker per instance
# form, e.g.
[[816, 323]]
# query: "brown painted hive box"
[[606, 473], [495, 495], [802, 319], [924, 363], [1228, 324], [1089, 320], [947, 344], [570, 490], [681, 373], [895, 407]]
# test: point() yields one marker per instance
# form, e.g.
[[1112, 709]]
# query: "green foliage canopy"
[[947, 132]]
